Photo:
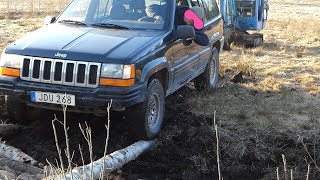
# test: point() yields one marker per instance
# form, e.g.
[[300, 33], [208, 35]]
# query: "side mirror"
[[49, 20], [184, 32]]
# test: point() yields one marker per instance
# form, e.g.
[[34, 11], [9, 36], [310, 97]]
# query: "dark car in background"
[[102, 50]]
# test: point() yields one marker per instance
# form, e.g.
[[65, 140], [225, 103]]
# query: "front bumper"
[[88, 100]]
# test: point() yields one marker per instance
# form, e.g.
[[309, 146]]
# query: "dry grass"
[[290, 54], [12, 30], [279, 99], [10, 8], [18, 17], [291, 49]]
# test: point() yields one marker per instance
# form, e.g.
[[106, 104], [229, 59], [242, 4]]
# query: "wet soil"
[[185, 148], [177, 155]]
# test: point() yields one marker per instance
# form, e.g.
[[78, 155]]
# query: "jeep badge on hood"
[[60, 55]]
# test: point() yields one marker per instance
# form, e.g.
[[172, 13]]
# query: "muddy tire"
[[16, 109], [209, 78], [147, 117]]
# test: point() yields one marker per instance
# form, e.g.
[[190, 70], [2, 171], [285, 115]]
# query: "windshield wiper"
[[73, 22], [110, 25]]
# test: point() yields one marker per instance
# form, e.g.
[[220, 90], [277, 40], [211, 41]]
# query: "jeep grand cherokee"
[[96, 51]]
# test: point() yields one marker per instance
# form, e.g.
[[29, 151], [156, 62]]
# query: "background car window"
[[212, 9]]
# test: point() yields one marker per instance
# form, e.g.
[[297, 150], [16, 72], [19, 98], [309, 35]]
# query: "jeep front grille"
[[57, 71]]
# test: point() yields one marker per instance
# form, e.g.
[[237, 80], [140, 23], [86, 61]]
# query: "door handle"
[[215, 35]]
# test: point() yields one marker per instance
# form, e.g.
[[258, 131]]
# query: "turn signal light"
[[10, 72], [116, 82]]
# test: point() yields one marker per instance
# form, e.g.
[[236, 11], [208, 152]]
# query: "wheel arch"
[[157, 68], [217, 45]]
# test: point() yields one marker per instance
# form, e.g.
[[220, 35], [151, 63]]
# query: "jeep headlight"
[[10, 64], [10, 60], [117, 71], [117, 75]]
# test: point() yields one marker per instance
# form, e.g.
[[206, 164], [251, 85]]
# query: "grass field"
[[275, 110], [276, 107]]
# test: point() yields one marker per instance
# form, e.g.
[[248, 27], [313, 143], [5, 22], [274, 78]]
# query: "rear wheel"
[[16, 109], [209, 78], [147, 117]]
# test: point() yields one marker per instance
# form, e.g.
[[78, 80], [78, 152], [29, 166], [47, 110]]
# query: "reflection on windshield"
[[131, 14]]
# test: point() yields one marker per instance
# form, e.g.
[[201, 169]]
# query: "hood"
[[72, 42]]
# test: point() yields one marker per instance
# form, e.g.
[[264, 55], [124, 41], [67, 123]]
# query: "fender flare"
[[153, 67]]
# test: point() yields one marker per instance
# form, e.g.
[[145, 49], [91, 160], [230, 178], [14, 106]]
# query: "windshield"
[[129, 14]]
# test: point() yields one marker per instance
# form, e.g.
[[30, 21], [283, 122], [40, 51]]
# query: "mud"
[[186, 147], [178, 154]]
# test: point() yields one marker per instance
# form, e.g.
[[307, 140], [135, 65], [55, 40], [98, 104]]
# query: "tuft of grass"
[[271, 84]]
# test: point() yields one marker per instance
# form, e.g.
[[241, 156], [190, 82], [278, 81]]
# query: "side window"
[[102, 8], [212, 9]]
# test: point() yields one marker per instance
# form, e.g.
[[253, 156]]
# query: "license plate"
[[53, 98]]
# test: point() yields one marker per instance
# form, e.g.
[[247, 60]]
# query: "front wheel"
[[147, 117], [209, 78]]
